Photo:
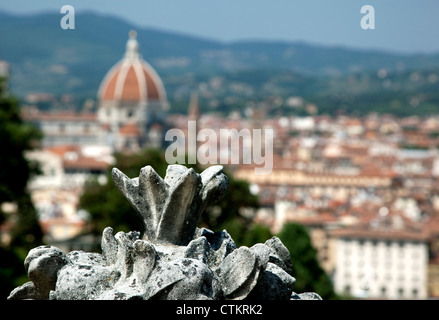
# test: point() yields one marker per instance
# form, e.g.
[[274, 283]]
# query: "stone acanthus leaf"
[[170, 208], [173, 260]]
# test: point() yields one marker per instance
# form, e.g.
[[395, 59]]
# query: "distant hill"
[[46, 58]]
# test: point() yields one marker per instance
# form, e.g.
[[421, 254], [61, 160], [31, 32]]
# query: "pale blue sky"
[[401, 25]]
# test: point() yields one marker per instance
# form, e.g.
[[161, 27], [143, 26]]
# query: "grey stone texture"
[[173, 259], [171, 208]]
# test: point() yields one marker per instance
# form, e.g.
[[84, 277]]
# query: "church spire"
[[194, 110]]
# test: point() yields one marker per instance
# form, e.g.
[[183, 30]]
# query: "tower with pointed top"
[[194, 110], [132, 102], [193, 114]]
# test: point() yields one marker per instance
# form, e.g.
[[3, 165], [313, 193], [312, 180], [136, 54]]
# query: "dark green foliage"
[[256, 234], [11, 272], [247, 234], [16, 138], [306, 269], [26, 232]]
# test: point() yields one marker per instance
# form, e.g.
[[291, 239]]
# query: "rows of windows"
[[395, 264], [375, 242], [53, 140], [400, 247], [401, 292], [69, 127], [401, 256], [388, 276]]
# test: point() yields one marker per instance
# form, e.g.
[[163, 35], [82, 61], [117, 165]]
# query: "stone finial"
[[176, 260], [170, 208]]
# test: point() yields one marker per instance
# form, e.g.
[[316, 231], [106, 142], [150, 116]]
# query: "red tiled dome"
[[132, 79]]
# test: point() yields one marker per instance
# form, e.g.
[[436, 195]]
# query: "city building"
[[385, 259], [132, 102], [67, 127], [55, 192], [367, 190], [131, 111]]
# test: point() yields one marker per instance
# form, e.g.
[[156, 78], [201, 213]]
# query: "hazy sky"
[[400, 25]]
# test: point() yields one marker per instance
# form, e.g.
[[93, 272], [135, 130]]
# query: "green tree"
[[306, 269], [11, 272], [16, 137], [256, 233]]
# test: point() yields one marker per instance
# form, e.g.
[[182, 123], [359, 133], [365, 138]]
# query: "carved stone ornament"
[[173, 259]]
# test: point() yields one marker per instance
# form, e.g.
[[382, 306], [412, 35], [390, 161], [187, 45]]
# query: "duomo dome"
[[132, 79], [132, 100]]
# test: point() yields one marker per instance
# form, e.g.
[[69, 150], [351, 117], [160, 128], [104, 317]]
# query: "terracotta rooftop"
[[130, 129], [58, 116], [85, 163], [389, 234]]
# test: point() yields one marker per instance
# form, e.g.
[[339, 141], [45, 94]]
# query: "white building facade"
[[381, 267]]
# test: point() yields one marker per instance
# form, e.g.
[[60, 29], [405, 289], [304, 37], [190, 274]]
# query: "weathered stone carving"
[[170, 208], [173, 260]]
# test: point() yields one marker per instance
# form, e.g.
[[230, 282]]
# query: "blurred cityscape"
[[365, 186]]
